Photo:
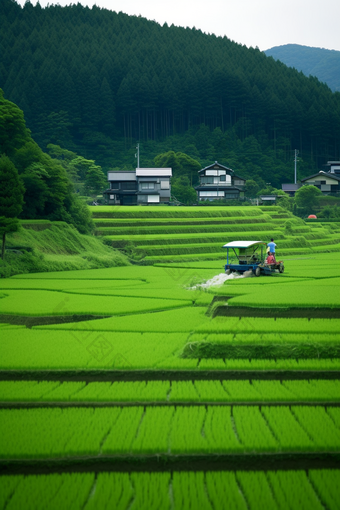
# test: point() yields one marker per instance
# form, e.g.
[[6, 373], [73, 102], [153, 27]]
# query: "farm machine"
[[250, 256]]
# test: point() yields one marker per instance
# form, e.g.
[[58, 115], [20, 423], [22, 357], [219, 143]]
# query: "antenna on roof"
[[137, 155]]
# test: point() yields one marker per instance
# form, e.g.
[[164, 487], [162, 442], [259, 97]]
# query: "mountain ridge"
[[312, 61]]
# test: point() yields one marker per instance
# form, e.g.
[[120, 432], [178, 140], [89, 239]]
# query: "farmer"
[[270, 259], [271, 246]]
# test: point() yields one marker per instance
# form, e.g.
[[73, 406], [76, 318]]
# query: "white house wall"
[[153, 172], [316, 181]]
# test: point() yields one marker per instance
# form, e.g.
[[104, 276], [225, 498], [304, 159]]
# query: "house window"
[[207, 180], [153, 198], [238, 182], [211, 194], [129, 185], [147, 185], [222, 178], [165, 185]]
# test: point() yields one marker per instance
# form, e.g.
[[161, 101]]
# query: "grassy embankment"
[[43, 245]]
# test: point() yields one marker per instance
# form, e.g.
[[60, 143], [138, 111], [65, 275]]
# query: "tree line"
[[94, 82], [33, 184]]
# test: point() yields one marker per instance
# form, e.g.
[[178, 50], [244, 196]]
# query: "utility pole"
[[137, 155], [296, 152]]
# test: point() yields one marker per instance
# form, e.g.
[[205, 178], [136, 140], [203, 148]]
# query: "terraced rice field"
[[196, 233], [139, 387]]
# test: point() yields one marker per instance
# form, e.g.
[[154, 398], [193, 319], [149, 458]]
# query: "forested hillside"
[[48, 189], [96, 82], [319, 62]]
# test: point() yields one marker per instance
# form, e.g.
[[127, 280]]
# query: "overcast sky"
[[262, 23]]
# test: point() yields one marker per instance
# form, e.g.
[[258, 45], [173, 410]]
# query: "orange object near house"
[[312, 216]]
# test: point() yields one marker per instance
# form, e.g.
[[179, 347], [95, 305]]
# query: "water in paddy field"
[[219, 279]]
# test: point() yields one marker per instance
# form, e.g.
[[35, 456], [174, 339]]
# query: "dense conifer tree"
[[125, 77]]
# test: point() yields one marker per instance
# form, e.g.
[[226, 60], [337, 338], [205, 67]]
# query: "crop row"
[[183, 258], [299, 282], [180, 319], [290, 296], [263, 346], [166, 235], [187, 237], [289, 249], [109, 277], [329, 281], [255, 391], [258, 365], [187, 229], [260, 325], [42, 302], [194, 319], [214, 231], [32, 349], [154, 222], [240, 490], [178, 250], [214, 243], [28, 349], [70, 284], [42, 433], [175, 212], [179, 238], [199, 219], [303, 279], [327, 339], [176, 391], [155, 296], [5, 326]]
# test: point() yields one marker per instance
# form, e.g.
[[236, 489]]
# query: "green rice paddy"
[[168, 234], [142, 387]]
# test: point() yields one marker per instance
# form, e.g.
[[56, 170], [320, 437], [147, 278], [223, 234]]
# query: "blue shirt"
[[272, 246]]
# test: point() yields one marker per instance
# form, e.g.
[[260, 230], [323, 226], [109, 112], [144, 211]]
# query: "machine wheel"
[[228, 271], [257, 271], [281, 268]]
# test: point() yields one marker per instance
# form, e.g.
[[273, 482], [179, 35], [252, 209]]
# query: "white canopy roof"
[[242, 244]]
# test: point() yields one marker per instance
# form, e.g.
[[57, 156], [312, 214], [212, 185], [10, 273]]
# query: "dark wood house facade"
[[143, 186]]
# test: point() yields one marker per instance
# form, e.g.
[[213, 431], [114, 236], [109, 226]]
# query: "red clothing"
[[271, 259]]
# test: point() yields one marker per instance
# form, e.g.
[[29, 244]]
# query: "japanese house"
[[327, 182], [218, 182], [142, 186]]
